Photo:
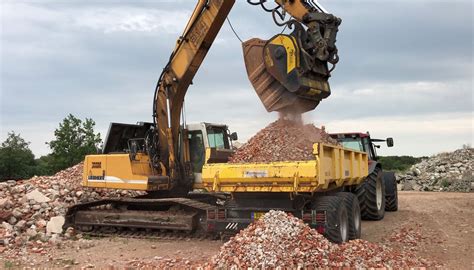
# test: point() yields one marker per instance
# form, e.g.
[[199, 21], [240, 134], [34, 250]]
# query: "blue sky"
[[406, 69]]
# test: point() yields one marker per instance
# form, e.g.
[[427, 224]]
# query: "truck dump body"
[[332, 167]]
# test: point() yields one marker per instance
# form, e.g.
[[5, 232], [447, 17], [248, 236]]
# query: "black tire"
[[353, 214], [371, 195], [391, 191], [337, 223]]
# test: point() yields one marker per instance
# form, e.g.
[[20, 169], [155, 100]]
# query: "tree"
[[74, 139], [16, 159], [399, 163]]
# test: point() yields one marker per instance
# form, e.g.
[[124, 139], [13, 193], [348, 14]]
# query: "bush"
[[398, 163], [16, 159]]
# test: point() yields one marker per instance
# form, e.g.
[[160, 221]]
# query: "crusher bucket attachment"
[[290, 76]]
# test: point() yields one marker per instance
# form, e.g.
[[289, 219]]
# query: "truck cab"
[[361, 142], [386, 188]]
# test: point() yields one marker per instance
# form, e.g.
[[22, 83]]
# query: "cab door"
[[197, 152]]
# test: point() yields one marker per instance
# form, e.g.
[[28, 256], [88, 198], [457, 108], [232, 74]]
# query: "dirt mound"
[[282, 140], [280, 240]]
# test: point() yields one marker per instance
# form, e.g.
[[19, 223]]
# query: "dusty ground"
[[437, 226], [444, 220]]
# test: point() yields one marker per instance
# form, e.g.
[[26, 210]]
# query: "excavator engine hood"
[[286, 71]]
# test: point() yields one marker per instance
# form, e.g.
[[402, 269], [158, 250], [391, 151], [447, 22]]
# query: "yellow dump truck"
[[317, 190], [332, 167]]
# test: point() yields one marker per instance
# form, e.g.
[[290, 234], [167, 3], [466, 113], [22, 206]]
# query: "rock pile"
[[282, 140], [33, 210], [452, 171], [280, 240]]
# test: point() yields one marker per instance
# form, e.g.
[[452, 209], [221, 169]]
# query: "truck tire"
[[337, 222], [391, 191], [371, 195], [353, 213]]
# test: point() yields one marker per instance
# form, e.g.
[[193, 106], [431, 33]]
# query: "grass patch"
[[445, 183], [8, 265]]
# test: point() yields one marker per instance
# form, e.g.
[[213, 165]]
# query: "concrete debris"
[[282, 140], [452, 171], [55, 225], [37, 196], [279, 240], [33, 210]]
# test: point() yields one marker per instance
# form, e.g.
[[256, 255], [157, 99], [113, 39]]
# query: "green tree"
[[16, 159], [44, 165], [399, 163], [74, 139]]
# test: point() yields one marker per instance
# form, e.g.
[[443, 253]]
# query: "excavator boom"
[[201, 30], [289, 72]]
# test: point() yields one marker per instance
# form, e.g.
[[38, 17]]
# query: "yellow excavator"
[[290, 74]]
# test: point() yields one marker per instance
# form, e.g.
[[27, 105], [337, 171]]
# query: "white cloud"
[[132, 20], [414, 135], [100, 60]]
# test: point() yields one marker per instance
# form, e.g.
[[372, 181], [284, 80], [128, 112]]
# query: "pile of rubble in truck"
[[282, 140]]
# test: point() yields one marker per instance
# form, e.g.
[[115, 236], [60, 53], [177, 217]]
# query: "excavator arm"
[[191, 49]]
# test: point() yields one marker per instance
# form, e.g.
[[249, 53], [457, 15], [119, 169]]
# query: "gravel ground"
[[435, 226]]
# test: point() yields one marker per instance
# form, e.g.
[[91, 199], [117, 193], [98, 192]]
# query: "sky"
[[405, 70]]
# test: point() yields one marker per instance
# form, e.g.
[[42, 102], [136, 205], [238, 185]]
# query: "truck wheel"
[[391, 191], [337, 222], [371, 195], [353, 213]]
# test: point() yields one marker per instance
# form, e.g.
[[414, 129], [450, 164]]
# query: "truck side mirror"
[[390, 142], [233, 136]]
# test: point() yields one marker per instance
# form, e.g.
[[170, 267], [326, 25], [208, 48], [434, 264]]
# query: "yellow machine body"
[[117, 171], [332, 167]]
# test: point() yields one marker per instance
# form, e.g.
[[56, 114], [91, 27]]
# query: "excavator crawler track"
[[140, 217], [154, 235]]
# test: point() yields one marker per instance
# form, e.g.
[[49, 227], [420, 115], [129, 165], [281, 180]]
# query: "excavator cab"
[[208, 143]]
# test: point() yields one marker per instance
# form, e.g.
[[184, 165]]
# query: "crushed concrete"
[[282, 140], [33, 210], [279, 240], [55, 225], [450, 171], [37, 196]]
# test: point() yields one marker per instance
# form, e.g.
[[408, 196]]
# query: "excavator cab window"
[[218, 138], [196, 150]]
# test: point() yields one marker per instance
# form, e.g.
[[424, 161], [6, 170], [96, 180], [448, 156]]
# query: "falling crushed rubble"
[[282, 140]]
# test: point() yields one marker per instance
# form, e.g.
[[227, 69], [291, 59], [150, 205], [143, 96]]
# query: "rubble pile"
[[282, 140], [452, 171], [33, 210], [280, 240]]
